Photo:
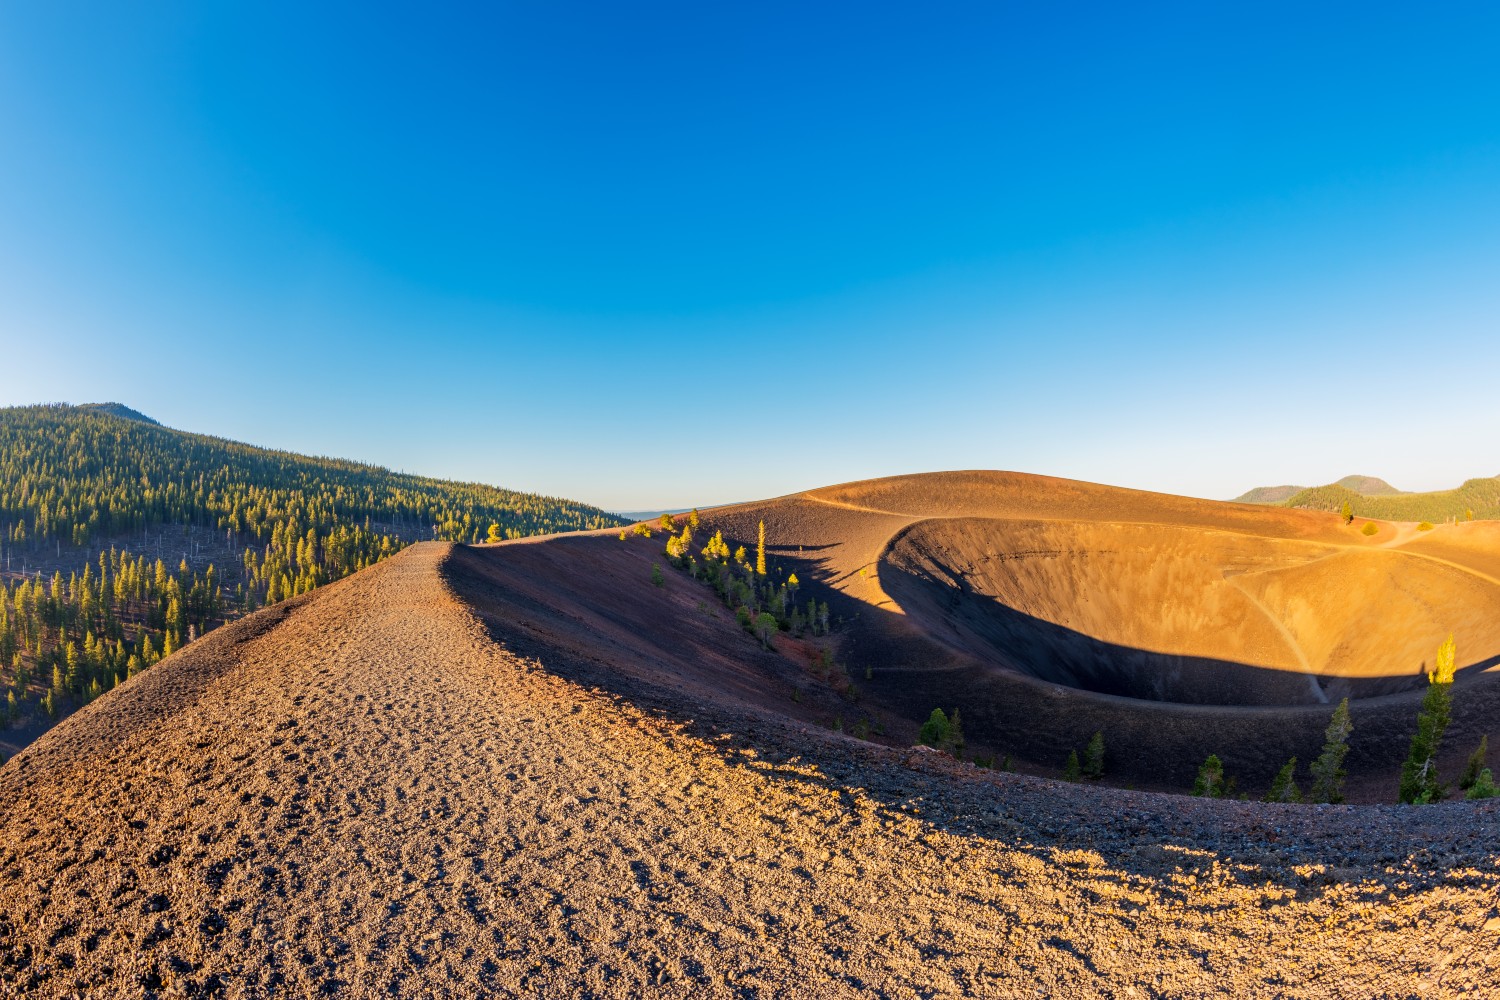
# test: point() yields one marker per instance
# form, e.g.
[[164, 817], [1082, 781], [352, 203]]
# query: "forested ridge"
[[121, 539], [1475, 499]]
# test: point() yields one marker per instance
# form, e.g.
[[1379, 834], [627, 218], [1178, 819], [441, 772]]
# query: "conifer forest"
[[121, 540]]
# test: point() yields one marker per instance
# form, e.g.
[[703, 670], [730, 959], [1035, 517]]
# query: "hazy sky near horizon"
[[664, 254]]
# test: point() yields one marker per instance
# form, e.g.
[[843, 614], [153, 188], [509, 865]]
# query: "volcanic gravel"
[[363, 793]]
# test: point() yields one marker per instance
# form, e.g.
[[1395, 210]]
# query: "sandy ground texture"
[[364, 792]]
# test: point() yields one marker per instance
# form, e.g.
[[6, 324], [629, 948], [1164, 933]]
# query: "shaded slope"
[[362, 793]]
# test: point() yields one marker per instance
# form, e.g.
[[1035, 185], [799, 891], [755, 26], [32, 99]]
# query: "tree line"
[[72, 475]]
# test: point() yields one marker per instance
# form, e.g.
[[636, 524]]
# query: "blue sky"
[[665, 254]]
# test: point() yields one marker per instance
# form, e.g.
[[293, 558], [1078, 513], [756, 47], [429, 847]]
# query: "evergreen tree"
[[935, 730], [1328, 770], [1475, 765], [1284, 787], [1071, 770], [1419, 776], [1347, 513], [953, 739], [765, 627], [656, 578], [1093, 757], [760, 551], [493, 534], [1210, 781]]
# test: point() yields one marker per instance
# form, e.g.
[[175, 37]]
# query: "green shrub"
[[1483, 787], [1071, 770], [1370, 528], [1425, 526]]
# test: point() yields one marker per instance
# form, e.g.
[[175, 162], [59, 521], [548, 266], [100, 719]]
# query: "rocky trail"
[[363, 792]]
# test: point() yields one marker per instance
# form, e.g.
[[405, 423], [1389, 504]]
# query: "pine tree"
[[1210, 781], [1071, 770], [1284, 787], [1347, 513], [765, 627], [493, 535], [1328, 770], [1420, 784], [935, 730], [657, 580], [953, 740], [1093, 757], [1475, 765], [760, 551]]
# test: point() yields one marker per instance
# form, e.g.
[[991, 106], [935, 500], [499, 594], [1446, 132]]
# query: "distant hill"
[[1368, 486], [649, 515], [1269, 494], [119, 410], [1477, 498]]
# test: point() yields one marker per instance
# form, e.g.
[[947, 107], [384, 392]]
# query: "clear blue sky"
[[663, 254]]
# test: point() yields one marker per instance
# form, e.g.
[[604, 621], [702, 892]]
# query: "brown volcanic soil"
[[371, 791], [1048, 609]]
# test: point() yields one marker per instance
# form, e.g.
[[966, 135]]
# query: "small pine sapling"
[[1420, 784], [1284, 786], [953, 740], [1328, 769], [1475, 765], [1072, 770], [1093, 757]]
